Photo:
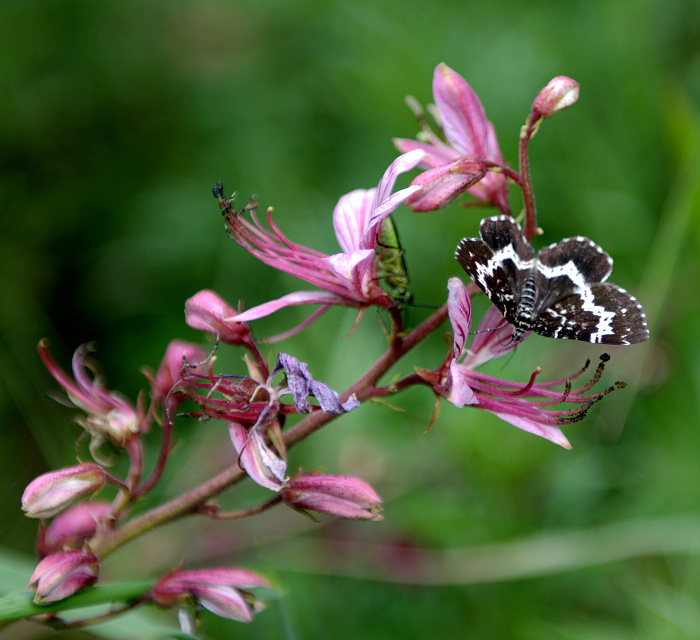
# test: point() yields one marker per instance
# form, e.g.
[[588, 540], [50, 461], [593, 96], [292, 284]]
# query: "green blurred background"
[[117, 119]]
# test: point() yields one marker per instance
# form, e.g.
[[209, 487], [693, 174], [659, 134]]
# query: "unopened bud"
[[342, 496], [62, 574], [52, 492], [443, 184], [70, 529], [207, 311], [560, 92]]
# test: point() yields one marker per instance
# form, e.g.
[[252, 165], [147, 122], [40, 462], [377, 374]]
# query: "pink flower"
[[467, 133], [109, 414], [61, 574], [52, 492], [223, 591], [346, 278], [528, 406], [342, 496]]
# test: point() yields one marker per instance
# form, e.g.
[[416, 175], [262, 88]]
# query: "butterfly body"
[[559, 292]]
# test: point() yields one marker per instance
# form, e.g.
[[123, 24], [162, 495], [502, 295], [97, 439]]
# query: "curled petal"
[[459, 310], [301, 385], [262, 464]]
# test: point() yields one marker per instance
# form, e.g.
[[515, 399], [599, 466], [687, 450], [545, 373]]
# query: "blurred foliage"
[[118, 118]]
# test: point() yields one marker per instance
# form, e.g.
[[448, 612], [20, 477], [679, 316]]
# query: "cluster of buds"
[[462, 157]]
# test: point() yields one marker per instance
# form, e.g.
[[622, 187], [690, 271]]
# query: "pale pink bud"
[[170, 370], [342, 496], [62, 574], [70, 529], [220, 590], [207, 311], [443, 184], [52, 492], [560, 92]]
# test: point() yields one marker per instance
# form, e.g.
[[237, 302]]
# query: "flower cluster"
[[267, 409]]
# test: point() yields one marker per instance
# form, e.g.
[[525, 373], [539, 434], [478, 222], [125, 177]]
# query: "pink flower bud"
[[52, 492], [443, 184], [342, 496], [220, 590], [70, 529], [207, 311], [560, 92], [169, 372], [62, 574]]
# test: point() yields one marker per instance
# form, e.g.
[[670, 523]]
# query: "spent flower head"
[[110, 416]]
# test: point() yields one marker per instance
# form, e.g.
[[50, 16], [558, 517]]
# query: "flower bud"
[[207, 311], [70, 529], [170, 368], [342, 496], [220, 590], [443, 184], [52, 492], [62, 574], [560, 92]]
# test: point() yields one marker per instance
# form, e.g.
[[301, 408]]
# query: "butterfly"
[[559, 292]]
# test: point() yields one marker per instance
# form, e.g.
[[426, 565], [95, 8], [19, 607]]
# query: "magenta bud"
[[62, 574], [219, 590], [52, 492], [77, 524], [443, 184], [170, 369], [208, 312], [560, 92], [342, 496]]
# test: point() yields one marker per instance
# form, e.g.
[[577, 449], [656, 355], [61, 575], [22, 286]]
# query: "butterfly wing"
[[568, 267], [477, 259], [499, 263], [601, 313]]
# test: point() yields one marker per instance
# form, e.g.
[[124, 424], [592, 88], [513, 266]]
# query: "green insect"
[[391, 266]]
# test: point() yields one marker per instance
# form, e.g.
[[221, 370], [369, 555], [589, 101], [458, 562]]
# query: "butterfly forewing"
[[495, 279]]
